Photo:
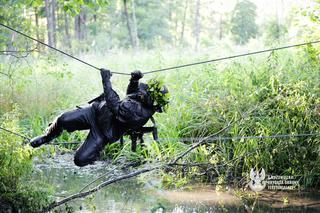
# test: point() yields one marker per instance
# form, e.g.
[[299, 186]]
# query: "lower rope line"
[[211, 139], [207, 139], [15, 133]]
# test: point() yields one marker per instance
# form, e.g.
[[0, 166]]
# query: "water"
[[135, 195]]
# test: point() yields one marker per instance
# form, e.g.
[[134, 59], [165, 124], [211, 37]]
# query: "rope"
[[230, 57], [15, 133], [209, 139], [60, 51], [168, 68], [245, 137]]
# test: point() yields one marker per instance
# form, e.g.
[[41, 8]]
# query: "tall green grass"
[[283, 87], [19, 192]]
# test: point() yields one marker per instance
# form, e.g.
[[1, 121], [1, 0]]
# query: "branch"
[[12, 52], [102, 185], [95, 180], [203, 140], [200, 143], [109, 172], [2, 73]]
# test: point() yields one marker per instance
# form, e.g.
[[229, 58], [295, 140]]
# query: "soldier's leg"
[[78, 119], [89, 151]]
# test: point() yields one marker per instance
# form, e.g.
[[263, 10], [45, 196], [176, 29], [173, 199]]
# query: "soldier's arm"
[[134, 82], [111, 97]]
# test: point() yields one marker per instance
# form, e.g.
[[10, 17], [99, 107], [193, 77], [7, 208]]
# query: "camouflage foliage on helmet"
[[158, 93]]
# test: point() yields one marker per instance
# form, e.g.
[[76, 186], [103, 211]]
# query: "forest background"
[[282, 87]]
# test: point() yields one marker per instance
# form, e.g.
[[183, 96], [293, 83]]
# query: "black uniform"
[[107, 117]]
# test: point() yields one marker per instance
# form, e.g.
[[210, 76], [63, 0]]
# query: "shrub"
[[17, 189]]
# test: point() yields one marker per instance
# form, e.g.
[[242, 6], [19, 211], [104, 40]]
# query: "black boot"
[[53, 131]]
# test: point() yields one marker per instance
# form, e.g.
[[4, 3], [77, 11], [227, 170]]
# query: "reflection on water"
[[136, 196]]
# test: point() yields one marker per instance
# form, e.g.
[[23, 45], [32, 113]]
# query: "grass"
[[19, 192], [283, 86]]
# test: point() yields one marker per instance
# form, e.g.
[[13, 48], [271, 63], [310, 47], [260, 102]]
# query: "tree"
[[274, 31], [11, 14], [197, 25], [66, 29], [153, 22], [50, 7], [80, 24], [183, 21], [134, 26], [243, 25], [131, 24], [313, 14]]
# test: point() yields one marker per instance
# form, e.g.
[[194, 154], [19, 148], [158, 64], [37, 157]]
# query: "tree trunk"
[[83, 23], [197, 25], [49, 23], [220, 26], [66, 28], [183, 21], [277, 20], [176, 34], [54, 24], [36, 17], [10, 41], [128, 22], [134, 27], [77, 27], [80, 24]]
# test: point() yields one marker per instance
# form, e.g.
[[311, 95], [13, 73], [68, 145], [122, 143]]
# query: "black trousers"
[[84, 119]]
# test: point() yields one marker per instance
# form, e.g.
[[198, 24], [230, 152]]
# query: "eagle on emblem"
[[257, 182]]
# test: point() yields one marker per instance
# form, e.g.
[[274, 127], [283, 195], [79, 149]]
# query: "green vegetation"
[[18, 190], [268, 94], [274, 32], [285, 101], [243, 25], [283, 90]]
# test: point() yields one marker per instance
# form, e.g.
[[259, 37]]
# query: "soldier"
[[107, 117]]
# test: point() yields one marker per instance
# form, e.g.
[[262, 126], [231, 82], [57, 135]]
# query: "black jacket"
[[116, 117]]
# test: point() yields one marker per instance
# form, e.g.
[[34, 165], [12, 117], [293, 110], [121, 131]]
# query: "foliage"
[[311, 22], [74, 6], [243, 25], [313, 13], [283, 90], [287, 103], [284, 87], [151, 28], [17, 188], [11, 13], [156, 88], [274, 31]]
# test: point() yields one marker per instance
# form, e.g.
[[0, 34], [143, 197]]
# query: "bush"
[[18, 192]]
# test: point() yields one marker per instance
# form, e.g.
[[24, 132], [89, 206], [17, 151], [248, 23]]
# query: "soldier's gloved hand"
[[105, 74], [136, 75]]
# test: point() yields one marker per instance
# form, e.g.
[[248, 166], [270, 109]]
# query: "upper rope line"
[[230, 57], [168, 68], [60, 51]]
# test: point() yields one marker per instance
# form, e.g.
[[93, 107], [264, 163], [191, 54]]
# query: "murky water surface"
[[146, 196]]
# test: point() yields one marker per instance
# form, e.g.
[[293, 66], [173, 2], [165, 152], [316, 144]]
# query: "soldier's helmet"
[[159, 94]]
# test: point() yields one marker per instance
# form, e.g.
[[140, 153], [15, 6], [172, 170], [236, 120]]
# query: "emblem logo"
[[257, 182]]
